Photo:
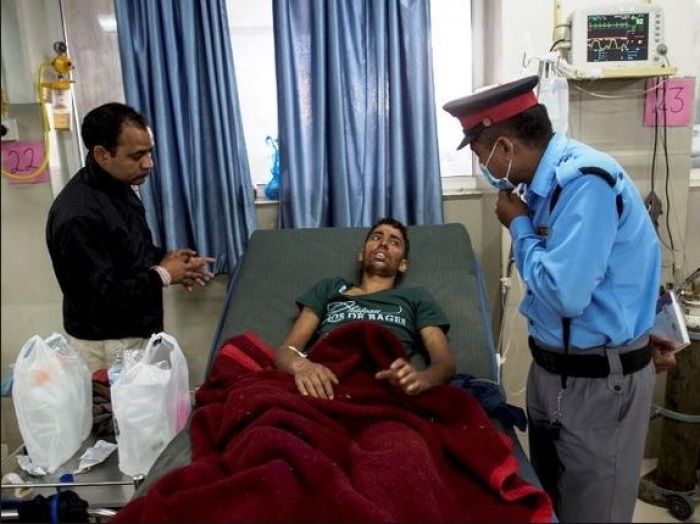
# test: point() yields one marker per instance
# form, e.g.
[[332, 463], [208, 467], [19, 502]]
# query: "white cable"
[[505, 344], [626, 95]]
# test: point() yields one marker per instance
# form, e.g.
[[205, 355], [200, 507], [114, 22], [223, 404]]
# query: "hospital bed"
[[279, 265]]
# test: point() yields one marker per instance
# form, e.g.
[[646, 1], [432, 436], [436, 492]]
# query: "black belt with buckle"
[[588, 366]]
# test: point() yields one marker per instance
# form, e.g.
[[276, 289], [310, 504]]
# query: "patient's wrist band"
[[295, 350]]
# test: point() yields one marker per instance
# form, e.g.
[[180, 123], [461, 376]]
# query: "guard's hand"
[[402, 374], [508, 206], [662, 354], [314, 380]]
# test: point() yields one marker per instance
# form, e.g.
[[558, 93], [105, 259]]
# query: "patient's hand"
[[314, 380], [403, 375]]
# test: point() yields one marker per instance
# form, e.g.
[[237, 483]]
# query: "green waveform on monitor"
[[606, 44]]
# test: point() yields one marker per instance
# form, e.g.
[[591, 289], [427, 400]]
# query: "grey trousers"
[[591, 466]]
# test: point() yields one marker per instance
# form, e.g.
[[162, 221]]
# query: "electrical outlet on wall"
[[9, 130]]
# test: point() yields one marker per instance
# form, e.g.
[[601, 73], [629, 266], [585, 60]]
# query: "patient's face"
[[384, 251]]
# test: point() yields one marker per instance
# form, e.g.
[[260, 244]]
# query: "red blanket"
[[263, 452]]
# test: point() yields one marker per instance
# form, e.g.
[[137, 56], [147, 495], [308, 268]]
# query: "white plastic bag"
[[52, 396], [150, 403], [554, 95]]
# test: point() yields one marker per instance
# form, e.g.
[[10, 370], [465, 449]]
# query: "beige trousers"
[[99, 354]]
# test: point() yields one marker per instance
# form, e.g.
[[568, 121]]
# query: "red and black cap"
[[478, 111]]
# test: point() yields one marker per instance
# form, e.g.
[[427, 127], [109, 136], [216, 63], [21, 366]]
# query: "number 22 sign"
[[668, 102], [20, 161]]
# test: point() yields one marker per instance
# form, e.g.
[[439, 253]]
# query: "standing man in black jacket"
[[111, 274]]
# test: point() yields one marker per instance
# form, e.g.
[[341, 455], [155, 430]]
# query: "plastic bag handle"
[[154, 342]]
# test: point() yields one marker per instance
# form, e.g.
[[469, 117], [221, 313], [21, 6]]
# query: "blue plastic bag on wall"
[[272, 189]]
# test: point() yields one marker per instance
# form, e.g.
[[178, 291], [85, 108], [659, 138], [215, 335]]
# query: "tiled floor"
[[644, 512]]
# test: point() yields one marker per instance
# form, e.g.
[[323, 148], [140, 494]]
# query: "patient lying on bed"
[[411, 313], [351, 431]]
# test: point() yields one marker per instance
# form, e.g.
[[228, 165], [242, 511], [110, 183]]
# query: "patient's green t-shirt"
[[404, 311]]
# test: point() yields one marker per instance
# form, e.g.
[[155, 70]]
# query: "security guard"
[[589, 255]]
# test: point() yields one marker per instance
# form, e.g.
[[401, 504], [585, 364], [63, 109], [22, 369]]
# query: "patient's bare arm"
[[442, 366], [311, 378]]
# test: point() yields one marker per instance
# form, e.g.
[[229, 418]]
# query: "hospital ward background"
[[474, 43]]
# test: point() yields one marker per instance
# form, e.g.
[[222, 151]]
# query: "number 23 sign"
[[668, 102], [20, 161]]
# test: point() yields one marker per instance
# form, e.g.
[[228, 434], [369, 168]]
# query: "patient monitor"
[[618, 39]]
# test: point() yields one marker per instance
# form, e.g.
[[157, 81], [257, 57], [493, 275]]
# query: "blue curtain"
[[178, 70], [357, 128]]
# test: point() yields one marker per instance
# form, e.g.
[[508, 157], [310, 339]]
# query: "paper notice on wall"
[[21, 162], [669, 103], [670, 322]]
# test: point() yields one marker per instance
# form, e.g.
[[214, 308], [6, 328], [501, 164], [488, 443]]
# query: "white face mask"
[[497, 183]]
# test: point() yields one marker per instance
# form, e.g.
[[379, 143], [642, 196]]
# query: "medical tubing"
[[44, 122]]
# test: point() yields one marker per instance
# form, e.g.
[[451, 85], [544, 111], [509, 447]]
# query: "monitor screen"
[[618, 37]]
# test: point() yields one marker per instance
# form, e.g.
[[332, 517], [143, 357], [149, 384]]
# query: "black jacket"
[[101, 249]]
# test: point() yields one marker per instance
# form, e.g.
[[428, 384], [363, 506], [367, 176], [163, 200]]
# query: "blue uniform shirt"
[[584, 261]]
